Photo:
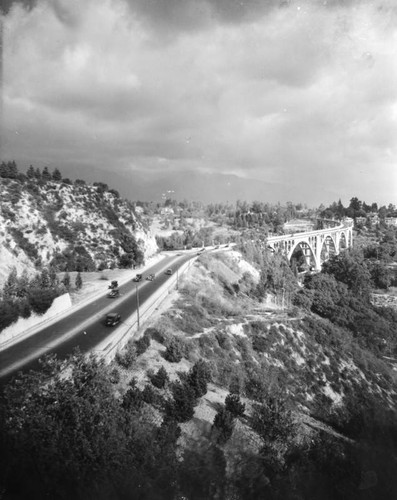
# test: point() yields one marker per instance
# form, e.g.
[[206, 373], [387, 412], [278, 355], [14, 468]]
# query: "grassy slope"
[[322, 371]]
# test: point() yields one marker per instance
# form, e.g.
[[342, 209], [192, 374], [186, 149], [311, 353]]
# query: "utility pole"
[[137, 304], [177, 278]]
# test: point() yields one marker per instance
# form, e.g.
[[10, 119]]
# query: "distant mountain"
[[77, 226], [209, 187]]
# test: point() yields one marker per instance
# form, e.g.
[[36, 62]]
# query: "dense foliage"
[[22, 295]]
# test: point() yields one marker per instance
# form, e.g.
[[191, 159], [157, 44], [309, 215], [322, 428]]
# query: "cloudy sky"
[[299, 93]]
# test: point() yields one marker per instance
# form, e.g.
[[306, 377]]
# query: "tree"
[[181, 407], [355, 204], [174, 351], [41, 299], [66, 280], [325, 293], [56, 175], [46, 176], [349, 268], [223, 425], [45, 280], [78, 281], [198, 378], [160, 378], [272, 419], [11, 285], [64, 436], [234, 405], [30, 172]]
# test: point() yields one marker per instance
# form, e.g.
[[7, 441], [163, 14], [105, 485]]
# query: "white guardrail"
[[108, 348]]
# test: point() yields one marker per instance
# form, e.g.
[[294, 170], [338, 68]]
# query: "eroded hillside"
[[69, 226]]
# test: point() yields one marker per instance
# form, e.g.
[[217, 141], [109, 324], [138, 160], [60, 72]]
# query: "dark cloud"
[[6, 5], [186, 15]]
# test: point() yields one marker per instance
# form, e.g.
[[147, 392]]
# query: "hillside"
[[69, 226], [224, 395]]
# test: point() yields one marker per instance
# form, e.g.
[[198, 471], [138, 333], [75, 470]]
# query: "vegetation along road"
[[84, 328]]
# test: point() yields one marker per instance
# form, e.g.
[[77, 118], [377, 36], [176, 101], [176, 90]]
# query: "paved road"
[[85, 327]]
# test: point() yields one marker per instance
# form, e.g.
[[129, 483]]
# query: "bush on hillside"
[[175, 350], [41, 299], [142, 345], [198, 377], [127, 356], [160, 378], [9, 313], [223, 425], [234, 405], [181, 407]]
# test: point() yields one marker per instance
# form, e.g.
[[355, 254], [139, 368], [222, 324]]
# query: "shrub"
[[198, 378], [181, 407], [133, 399], [234, 405], [149, 395], [114, 376], [272, 420], [175, 351], [24, 309], [8, 313], [155, 334], [223, 425], [260, 343], [142, 345], [40, 299], [160, 379], [126, 357]]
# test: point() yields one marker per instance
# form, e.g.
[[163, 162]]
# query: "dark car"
[[150, 277], [114, 293], [138, 277], [169, 272], [112, 319], [114, 284]]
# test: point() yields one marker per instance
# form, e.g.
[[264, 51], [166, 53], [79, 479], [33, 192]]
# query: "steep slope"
[[70, 226]]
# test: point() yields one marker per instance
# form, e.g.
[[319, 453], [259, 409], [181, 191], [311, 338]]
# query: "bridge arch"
[[328, 249], [317, 246], [307, 250]]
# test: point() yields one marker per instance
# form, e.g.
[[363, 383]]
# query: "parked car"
[[114, 293], [114, 284], [150, 277], [138, 277], [169, 272], [112, 319]]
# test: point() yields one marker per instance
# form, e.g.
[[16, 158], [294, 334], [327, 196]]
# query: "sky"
[[301, 94]]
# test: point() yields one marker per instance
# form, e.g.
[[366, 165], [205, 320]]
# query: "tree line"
[[23, 295]]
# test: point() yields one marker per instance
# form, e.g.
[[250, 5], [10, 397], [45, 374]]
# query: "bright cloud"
[[303, 94]]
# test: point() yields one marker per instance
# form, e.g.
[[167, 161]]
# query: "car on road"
[[112, 319], [114, 284], [150, 277], [114, 293], [138, 277], [169, 272]]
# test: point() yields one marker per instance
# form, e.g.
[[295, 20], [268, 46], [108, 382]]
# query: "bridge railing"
[[305, 234]]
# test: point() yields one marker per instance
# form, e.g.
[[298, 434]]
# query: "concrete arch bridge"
[[316, 246]]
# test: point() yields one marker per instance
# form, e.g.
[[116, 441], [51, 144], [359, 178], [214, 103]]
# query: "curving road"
[[85, 327]]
